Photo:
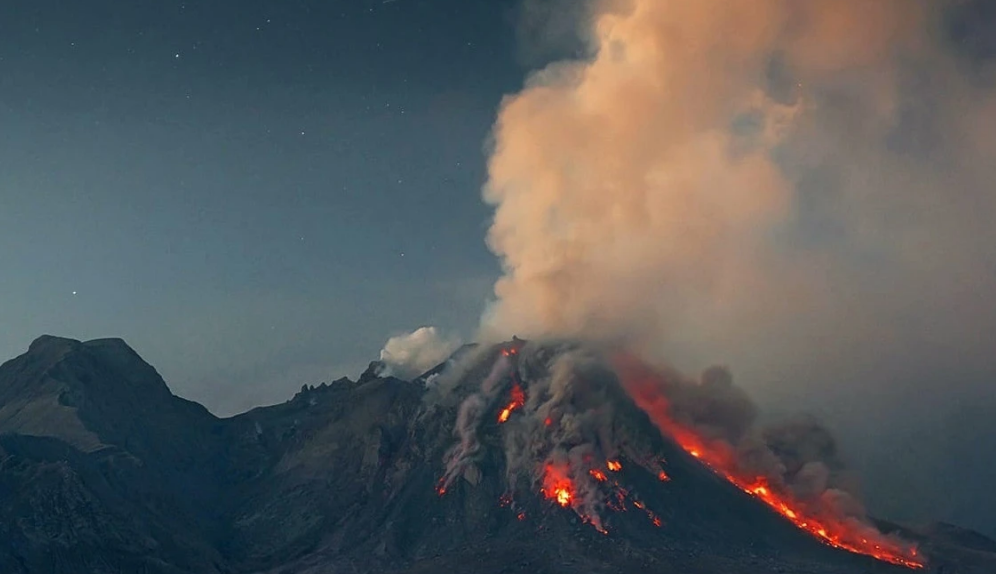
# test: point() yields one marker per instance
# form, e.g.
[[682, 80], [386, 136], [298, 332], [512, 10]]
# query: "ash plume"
[[779, 184]]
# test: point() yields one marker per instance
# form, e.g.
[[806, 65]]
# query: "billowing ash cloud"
[[775, 183], [411, 354]]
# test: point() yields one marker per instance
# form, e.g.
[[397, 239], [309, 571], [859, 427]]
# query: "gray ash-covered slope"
[[102, 469]]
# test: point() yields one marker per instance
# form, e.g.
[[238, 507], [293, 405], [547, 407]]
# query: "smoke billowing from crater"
[[411, 354], [772, 183]]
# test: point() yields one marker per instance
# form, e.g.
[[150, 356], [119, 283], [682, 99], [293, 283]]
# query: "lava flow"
[[815, 518], [558, 486], [517, 401]]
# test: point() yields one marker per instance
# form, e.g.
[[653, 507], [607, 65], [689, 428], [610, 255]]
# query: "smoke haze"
[[801, 190], [411, 354]]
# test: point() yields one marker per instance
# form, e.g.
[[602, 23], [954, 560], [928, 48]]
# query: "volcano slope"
[[572, 477], [512, 458]]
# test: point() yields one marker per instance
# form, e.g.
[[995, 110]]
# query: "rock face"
[[104, 470]]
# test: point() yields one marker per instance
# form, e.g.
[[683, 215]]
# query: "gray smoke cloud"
[[470, 417], [767, 180]]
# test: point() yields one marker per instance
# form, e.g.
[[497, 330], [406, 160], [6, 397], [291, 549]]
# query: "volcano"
[[520, 457]]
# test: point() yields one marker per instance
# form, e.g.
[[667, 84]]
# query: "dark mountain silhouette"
[[104, 470]]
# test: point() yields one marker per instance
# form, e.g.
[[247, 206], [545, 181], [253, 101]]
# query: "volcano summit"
[[520, 457]]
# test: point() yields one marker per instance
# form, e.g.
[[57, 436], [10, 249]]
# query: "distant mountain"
[[104, 470]]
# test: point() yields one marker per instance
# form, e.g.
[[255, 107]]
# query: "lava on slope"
[[563, 421], [518, 399], [555, 413], [818, 517]]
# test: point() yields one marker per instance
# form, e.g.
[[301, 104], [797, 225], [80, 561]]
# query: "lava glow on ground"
[[557, 485], [817, 519], [822, 523], [517, 400]]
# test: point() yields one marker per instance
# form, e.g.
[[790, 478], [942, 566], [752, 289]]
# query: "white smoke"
[[409, 355]]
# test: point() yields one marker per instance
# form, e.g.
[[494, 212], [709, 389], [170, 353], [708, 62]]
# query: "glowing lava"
[[816, 518], [614, 465], [564, 496], [517, 401], [597, 475], [558, 486]]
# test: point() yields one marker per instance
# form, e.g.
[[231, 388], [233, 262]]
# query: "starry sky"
[[254, 194], [257, 194]]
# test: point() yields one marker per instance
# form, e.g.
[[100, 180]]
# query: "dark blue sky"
[[253, 194]]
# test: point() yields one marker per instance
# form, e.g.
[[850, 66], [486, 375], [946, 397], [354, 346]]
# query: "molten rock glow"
[[555, 413], [754, 466], [562, 442]]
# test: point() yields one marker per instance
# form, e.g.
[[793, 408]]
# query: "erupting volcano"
[[341, 477], [570, 444]]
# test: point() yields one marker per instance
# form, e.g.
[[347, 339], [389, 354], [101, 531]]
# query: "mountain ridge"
[[342, 478]]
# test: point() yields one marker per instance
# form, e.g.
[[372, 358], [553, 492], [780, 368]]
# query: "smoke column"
[[769, 182]]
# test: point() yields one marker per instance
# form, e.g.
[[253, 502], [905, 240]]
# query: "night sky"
[[257, 194]]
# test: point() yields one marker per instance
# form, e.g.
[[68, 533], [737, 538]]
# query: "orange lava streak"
[[614, 465], [823, 524], [517, 401], [597, 475]]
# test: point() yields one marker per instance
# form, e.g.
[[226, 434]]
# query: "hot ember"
[[558, 486]]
